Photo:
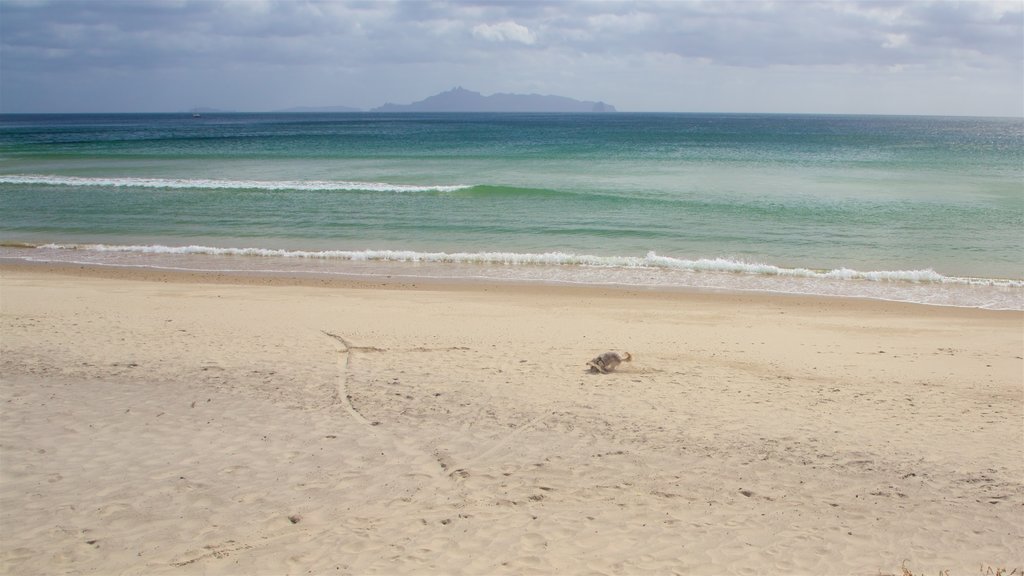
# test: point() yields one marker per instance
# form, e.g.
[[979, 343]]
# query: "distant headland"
[[461, 100]]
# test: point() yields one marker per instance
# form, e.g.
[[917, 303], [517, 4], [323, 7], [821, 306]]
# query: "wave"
[[272, 185], [651, 261], [213, 184]]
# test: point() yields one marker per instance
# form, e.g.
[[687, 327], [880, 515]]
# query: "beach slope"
[[156, 423]]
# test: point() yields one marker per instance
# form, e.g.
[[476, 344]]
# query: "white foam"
[[211, 184], [651, 261]]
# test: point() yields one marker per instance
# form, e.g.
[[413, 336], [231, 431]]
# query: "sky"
[[786, 56]]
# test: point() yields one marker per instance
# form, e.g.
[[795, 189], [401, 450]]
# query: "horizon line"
[[203, 111]]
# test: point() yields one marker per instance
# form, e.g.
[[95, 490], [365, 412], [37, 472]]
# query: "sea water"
[[917, 209]]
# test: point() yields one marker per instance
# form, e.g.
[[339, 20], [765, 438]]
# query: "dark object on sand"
[[608, 361]]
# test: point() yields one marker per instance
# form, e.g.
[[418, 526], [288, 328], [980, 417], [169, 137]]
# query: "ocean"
[[917, 209]]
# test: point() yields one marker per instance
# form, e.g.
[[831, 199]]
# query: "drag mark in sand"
[[412, 452], [343, 362], [448, 467], [343, 365], [218, 551]]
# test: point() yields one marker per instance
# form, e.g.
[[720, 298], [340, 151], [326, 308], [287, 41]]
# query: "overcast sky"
[[916, 57]]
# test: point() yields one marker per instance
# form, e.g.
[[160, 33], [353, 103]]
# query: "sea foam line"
[[650, 261], [213, 184]]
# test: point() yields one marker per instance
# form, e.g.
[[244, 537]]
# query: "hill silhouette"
[[461, 100]]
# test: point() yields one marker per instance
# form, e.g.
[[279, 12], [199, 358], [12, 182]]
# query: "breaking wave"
[[651, 261], [213, 184]]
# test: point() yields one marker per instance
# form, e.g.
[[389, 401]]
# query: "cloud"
[[507, 31], [636, 55], [100, 33], [895, 40]]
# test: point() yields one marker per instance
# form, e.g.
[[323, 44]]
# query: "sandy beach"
[[161, 423]]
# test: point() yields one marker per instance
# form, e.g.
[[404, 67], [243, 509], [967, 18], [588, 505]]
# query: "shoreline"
[[164, 422], [653, 272], [399, 282]]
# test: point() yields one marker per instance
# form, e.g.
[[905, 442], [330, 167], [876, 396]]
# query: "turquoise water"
[[907, 208]]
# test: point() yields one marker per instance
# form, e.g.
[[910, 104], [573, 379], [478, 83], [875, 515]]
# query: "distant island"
[[461, 100]]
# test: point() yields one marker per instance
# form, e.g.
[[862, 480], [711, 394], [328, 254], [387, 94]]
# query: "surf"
[[214, 184], [650, 261], [650, 271]]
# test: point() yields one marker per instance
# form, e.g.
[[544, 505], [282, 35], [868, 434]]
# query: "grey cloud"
[[799, 33], [365, 49], [147, 34], [102, 32]]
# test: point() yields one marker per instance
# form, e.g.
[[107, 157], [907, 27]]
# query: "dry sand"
[[156, 424]]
